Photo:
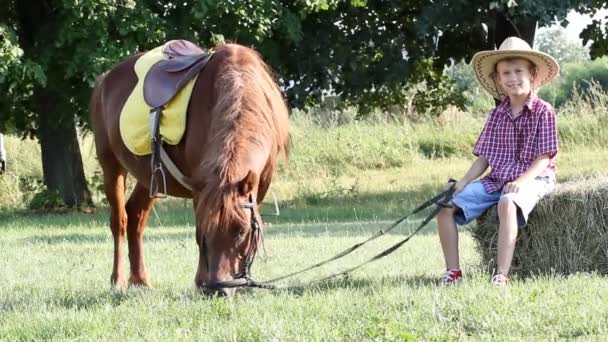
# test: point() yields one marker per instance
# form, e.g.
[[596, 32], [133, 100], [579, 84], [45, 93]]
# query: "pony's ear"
[[247, 184]]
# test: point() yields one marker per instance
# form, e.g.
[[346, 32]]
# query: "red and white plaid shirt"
[[511, 145]]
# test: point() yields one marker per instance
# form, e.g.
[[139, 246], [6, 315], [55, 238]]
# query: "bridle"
[[243, 277]]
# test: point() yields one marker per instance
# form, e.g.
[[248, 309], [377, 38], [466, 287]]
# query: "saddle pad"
[[135, 115]]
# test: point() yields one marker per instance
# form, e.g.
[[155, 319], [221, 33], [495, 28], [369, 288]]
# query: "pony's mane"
[[249, 115]]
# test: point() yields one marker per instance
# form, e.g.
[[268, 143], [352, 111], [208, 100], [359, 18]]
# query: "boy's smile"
[[514, 76]]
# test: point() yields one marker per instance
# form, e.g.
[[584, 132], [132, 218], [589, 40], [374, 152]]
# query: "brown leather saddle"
[[162, 82], [165, 79]]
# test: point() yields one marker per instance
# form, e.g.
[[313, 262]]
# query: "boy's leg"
[[469, 204], [507, 234], [448, 235], [513, 211]]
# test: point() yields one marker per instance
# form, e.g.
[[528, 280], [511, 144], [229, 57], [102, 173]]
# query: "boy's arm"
[[537, 167], [480, 165]]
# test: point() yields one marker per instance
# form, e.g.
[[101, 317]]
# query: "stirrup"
[[154, 193]]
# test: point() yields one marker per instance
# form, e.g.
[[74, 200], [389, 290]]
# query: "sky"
[[579, 21]]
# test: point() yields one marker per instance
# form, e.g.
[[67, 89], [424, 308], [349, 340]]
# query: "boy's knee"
[[446, 212], [506, 206]]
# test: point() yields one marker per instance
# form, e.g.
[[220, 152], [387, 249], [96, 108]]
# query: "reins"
[[441, 200]]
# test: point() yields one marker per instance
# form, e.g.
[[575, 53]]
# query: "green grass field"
[[341, 185], [54, 273]]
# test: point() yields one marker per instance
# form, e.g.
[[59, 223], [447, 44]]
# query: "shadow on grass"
[[324, 216], [318, 210], [357, 230], [88, 300], [306, 208], [80, 300], [106, 237], [24, 219], [350, 282], [75, 238]]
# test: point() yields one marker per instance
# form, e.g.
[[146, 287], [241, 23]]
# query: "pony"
[[237, 130]]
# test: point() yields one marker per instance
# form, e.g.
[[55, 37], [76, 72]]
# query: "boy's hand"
[[458, 185], [446, 201], [512, 187]]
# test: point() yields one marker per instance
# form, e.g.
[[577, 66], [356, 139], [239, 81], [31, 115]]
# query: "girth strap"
[[158, 180], [172, 168]]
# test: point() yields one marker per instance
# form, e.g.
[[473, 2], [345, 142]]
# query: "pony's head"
[[229, 228], [248, 132]]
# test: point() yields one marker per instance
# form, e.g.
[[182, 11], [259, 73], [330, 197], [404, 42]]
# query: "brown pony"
[[237, 127]]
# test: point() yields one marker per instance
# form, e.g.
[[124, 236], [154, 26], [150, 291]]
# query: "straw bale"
[[567, 232]]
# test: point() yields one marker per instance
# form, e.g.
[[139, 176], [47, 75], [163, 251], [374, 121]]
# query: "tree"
[[367, 51], [53, 51], [555, 42]]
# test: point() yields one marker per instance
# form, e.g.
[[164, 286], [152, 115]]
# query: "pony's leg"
[[138, 209], [201, 270], [114, 177]]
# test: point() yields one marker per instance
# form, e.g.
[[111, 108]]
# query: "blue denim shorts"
[[474, 200]]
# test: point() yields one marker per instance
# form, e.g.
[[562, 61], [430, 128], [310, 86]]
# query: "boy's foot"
[[451, 277], [500, 280]]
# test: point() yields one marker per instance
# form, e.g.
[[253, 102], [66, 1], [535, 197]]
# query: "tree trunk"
[[61, 159], [522, 27]]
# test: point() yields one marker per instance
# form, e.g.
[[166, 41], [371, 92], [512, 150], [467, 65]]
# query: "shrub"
[[579, 77]]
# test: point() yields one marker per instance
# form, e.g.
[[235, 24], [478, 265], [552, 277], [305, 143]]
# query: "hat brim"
[[484, 63]]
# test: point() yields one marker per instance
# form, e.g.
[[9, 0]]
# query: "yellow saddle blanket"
[[135, 115]]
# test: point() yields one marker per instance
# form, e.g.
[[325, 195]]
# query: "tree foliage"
[[577, 78], [555, 42], [65, 49], [364, 50], [369, 52]]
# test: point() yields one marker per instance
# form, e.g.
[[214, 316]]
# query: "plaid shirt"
[[511, 145]]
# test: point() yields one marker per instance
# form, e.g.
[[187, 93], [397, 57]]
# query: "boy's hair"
[[531, 66]]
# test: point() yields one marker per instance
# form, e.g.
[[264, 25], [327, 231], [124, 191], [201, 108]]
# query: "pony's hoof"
[[118, 282], [137, 281]]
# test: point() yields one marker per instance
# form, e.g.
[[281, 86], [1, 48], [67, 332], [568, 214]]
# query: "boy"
[[518, 142]]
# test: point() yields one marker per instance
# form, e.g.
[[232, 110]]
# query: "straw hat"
[[484, 64]]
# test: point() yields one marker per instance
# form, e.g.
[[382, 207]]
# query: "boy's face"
[[514, 76]]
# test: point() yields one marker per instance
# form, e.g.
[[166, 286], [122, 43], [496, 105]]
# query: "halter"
[[243, 278]]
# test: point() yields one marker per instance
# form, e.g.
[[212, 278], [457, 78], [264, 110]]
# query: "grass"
[[341, 185], [55, 285], [55, 273]]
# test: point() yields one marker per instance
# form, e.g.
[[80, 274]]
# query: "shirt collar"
[[531, 101], [530, 104]]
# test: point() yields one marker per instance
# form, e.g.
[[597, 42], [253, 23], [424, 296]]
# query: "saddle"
[[166, 77], [162, 83]]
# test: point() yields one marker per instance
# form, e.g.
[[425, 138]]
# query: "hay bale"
[[567, 232]]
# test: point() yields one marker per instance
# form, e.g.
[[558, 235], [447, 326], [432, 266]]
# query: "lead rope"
[[442, 200]]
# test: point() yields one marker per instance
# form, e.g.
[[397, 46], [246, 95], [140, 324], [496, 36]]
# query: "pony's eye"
[[241, 234]]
